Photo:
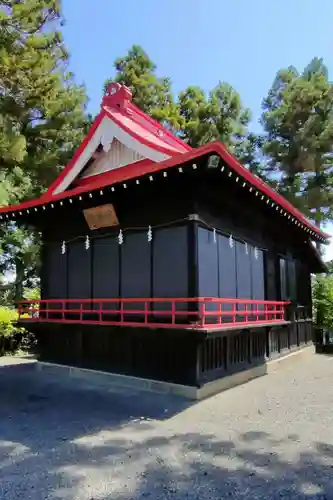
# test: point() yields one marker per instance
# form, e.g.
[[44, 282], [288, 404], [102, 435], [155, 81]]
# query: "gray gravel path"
[[271, 438]]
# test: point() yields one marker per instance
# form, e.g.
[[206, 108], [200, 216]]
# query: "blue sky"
[[199, 42]]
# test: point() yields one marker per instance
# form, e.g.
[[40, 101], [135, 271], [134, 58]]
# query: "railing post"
[[100, 311], [234, 312], [203, 314], [220, 313], [63, 309], [121, 311], [146, 313], [173, 313]]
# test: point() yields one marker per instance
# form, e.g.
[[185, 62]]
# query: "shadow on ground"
[[59, 441]]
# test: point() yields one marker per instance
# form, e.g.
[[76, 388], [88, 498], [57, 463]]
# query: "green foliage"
[[251, 156], [42, 118], [41, 108], [19, 255], [12, 337], [193, 107], [151, 93], [8, 318], [323, 300], [218, 116], [7, 295], [196, 117], [31, 294], [298, 142]]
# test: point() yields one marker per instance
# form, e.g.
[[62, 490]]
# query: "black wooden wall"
[[178, 262], [136, 269], [227, 271], [282, 268]]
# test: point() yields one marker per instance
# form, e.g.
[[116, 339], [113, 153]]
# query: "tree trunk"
[[19, 280]]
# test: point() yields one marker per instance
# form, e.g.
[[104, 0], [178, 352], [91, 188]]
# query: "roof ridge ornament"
[[117, 96]]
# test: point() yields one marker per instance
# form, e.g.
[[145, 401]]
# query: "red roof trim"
[[49, 193], [137, 137], [138, 169], [166, 132]]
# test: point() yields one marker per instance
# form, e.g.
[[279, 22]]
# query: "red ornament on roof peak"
[[117, 96]]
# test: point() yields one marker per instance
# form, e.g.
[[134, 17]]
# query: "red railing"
[[196, 313]]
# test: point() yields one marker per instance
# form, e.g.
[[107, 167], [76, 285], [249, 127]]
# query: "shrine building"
[[166, 264]]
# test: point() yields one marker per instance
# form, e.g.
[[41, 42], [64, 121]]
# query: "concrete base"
[[105, 379]]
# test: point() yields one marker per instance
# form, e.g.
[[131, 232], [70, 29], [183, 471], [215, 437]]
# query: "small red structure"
[[163, 261]]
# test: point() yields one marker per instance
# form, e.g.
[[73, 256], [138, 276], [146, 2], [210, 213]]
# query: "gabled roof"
[[121, 119]]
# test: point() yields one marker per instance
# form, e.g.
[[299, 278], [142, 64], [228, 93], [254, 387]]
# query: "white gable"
[[118, 156], [106, 134]]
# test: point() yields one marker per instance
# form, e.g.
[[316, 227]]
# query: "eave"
[[120, 178], [318, 260]]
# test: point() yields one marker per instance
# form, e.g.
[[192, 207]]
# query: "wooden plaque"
[[101, 216]]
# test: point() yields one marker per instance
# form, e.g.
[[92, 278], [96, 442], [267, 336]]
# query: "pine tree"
[[152, 94], [42, 116], [251, 156], [194, 116], [194, 109], [218, 116], [298, 124]]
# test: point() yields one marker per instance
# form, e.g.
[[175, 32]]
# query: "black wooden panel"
[[283, 279], [135, 273], [207, 264], [239, 349], [243, 275], [160, 355], [227, 273], [213, 354], [257, 272], [302, 283], [170, 262], [243, 266], [292, 285], [105, 278], [54, 272], [293, 328], [170, 266], [79, 271], [227, 268], [273, 341], [284, 338], [271, 278], [243, 263], [258, 339]]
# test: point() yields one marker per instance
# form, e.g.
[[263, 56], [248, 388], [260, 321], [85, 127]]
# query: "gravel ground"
[[271, 438]]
